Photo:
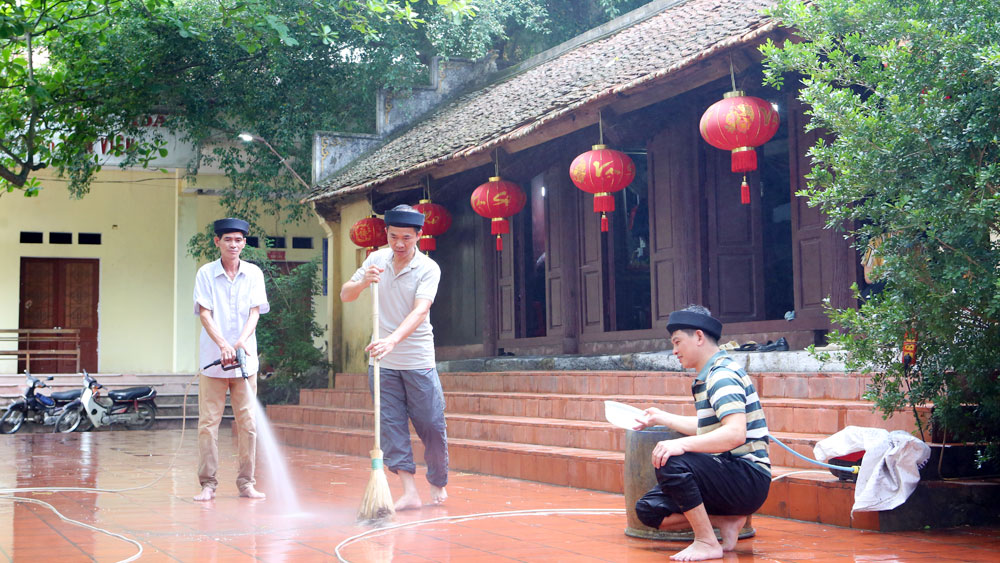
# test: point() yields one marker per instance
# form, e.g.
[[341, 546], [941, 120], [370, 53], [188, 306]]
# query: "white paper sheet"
[[622, 415]]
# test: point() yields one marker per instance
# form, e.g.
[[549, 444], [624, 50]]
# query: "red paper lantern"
[[602, 171], [738, 123], [437, 220], [497, 200], [369, 233]]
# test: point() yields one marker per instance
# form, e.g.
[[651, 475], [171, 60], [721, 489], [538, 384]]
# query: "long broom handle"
[[376, 387]]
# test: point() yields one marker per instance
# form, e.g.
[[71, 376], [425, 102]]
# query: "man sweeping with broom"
[[404, 283]]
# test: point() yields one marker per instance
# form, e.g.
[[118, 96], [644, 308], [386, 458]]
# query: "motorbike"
[[35, 407], [134, 407]]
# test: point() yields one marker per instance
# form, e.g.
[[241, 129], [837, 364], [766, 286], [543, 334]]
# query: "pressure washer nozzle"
[[241, 359]]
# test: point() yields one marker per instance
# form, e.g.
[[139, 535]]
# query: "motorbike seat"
[[132, 393], [67, 396]]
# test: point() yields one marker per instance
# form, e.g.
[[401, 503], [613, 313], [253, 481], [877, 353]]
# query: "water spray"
[[240, 363]]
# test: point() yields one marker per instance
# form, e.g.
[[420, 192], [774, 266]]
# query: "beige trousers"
[[211, 404]]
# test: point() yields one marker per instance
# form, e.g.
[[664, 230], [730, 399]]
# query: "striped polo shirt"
[[722, 388]]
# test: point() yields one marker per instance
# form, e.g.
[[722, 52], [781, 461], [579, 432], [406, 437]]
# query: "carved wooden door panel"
[[593, 307], [61, 293], [824, 264], [735, 242], [506, 298], [675, 214]]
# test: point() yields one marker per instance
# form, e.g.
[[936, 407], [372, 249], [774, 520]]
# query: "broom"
[[377, 500]]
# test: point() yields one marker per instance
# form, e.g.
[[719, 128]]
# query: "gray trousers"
[[413, 395]]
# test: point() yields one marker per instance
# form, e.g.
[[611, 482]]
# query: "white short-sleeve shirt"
[[397, 295], [230, 302]]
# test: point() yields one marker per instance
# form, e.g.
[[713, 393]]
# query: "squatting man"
[[410, 387], [719, 472], [229, 298]]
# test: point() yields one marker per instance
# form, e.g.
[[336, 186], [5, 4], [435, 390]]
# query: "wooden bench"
[[47, 342]]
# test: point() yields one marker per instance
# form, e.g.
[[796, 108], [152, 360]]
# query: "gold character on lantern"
[[739, 119], [599, 168]]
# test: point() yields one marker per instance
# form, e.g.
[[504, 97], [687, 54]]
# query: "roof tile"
[[679, 35]]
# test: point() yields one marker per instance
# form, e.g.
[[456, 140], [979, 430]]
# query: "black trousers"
[[728, 486]]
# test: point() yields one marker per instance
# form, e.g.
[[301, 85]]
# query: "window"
[[253, 241], [31, 237], [276, 242], [88, 238], [60, 238], [302, 242]]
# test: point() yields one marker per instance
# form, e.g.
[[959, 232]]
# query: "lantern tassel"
[[745, 192], [499, 244], [427, 243], [604, 222], [603, 202], [499, 226], [744, 160]]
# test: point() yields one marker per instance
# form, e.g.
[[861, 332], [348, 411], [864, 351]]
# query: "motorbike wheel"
[[12, 420], [147, 417], [69, 421], [85, 424]]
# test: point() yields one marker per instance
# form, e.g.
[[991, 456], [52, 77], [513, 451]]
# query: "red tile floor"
[[169, 526]]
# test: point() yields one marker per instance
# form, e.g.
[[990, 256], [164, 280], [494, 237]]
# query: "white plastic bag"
[[890, 469]]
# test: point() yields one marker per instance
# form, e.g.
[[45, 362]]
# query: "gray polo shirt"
[[397, 295]]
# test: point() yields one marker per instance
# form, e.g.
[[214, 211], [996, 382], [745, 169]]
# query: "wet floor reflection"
[[172, 527]]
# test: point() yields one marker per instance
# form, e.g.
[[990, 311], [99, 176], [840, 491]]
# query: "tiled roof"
[[516, 105]]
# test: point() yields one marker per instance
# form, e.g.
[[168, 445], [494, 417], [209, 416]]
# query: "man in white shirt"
[[229, 298], [410, 387]]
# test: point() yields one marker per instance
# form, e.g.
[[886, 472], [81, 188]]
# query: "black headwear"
[[404, 218], [689, 319], [223, 226]]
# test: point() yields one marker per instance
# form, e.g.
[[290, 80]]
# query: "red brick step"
[[550, 427]]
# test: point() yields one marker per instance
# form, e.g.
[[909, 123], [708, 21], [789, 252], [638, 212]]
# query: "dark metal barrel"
[[640, 477]]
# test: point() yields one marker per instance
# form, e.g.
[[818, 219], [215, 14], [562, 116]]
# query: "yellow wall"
[[133, 213], [146, 318], [356, 316]]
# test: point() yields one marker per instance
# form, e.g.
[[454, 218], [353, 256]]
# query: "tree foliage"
[[907, 95], [277, 69], [72, 71], [286, 333]]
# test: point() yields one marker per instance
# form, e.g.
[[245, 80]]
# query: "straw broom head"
[[376, 504], [377, 500]]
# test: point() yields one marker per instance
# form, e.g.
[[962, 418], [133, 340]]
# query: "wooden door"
[[561, 261], [61, 293], [594, 309], [675, 217], [735, 242], [507, 305], [823, 262]]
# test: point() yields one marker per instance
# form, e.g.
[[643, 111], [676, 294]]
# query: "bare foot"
[[408, 501], [438, 495], [729, 529], [251, 492], [207, 493], [699, 551]]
